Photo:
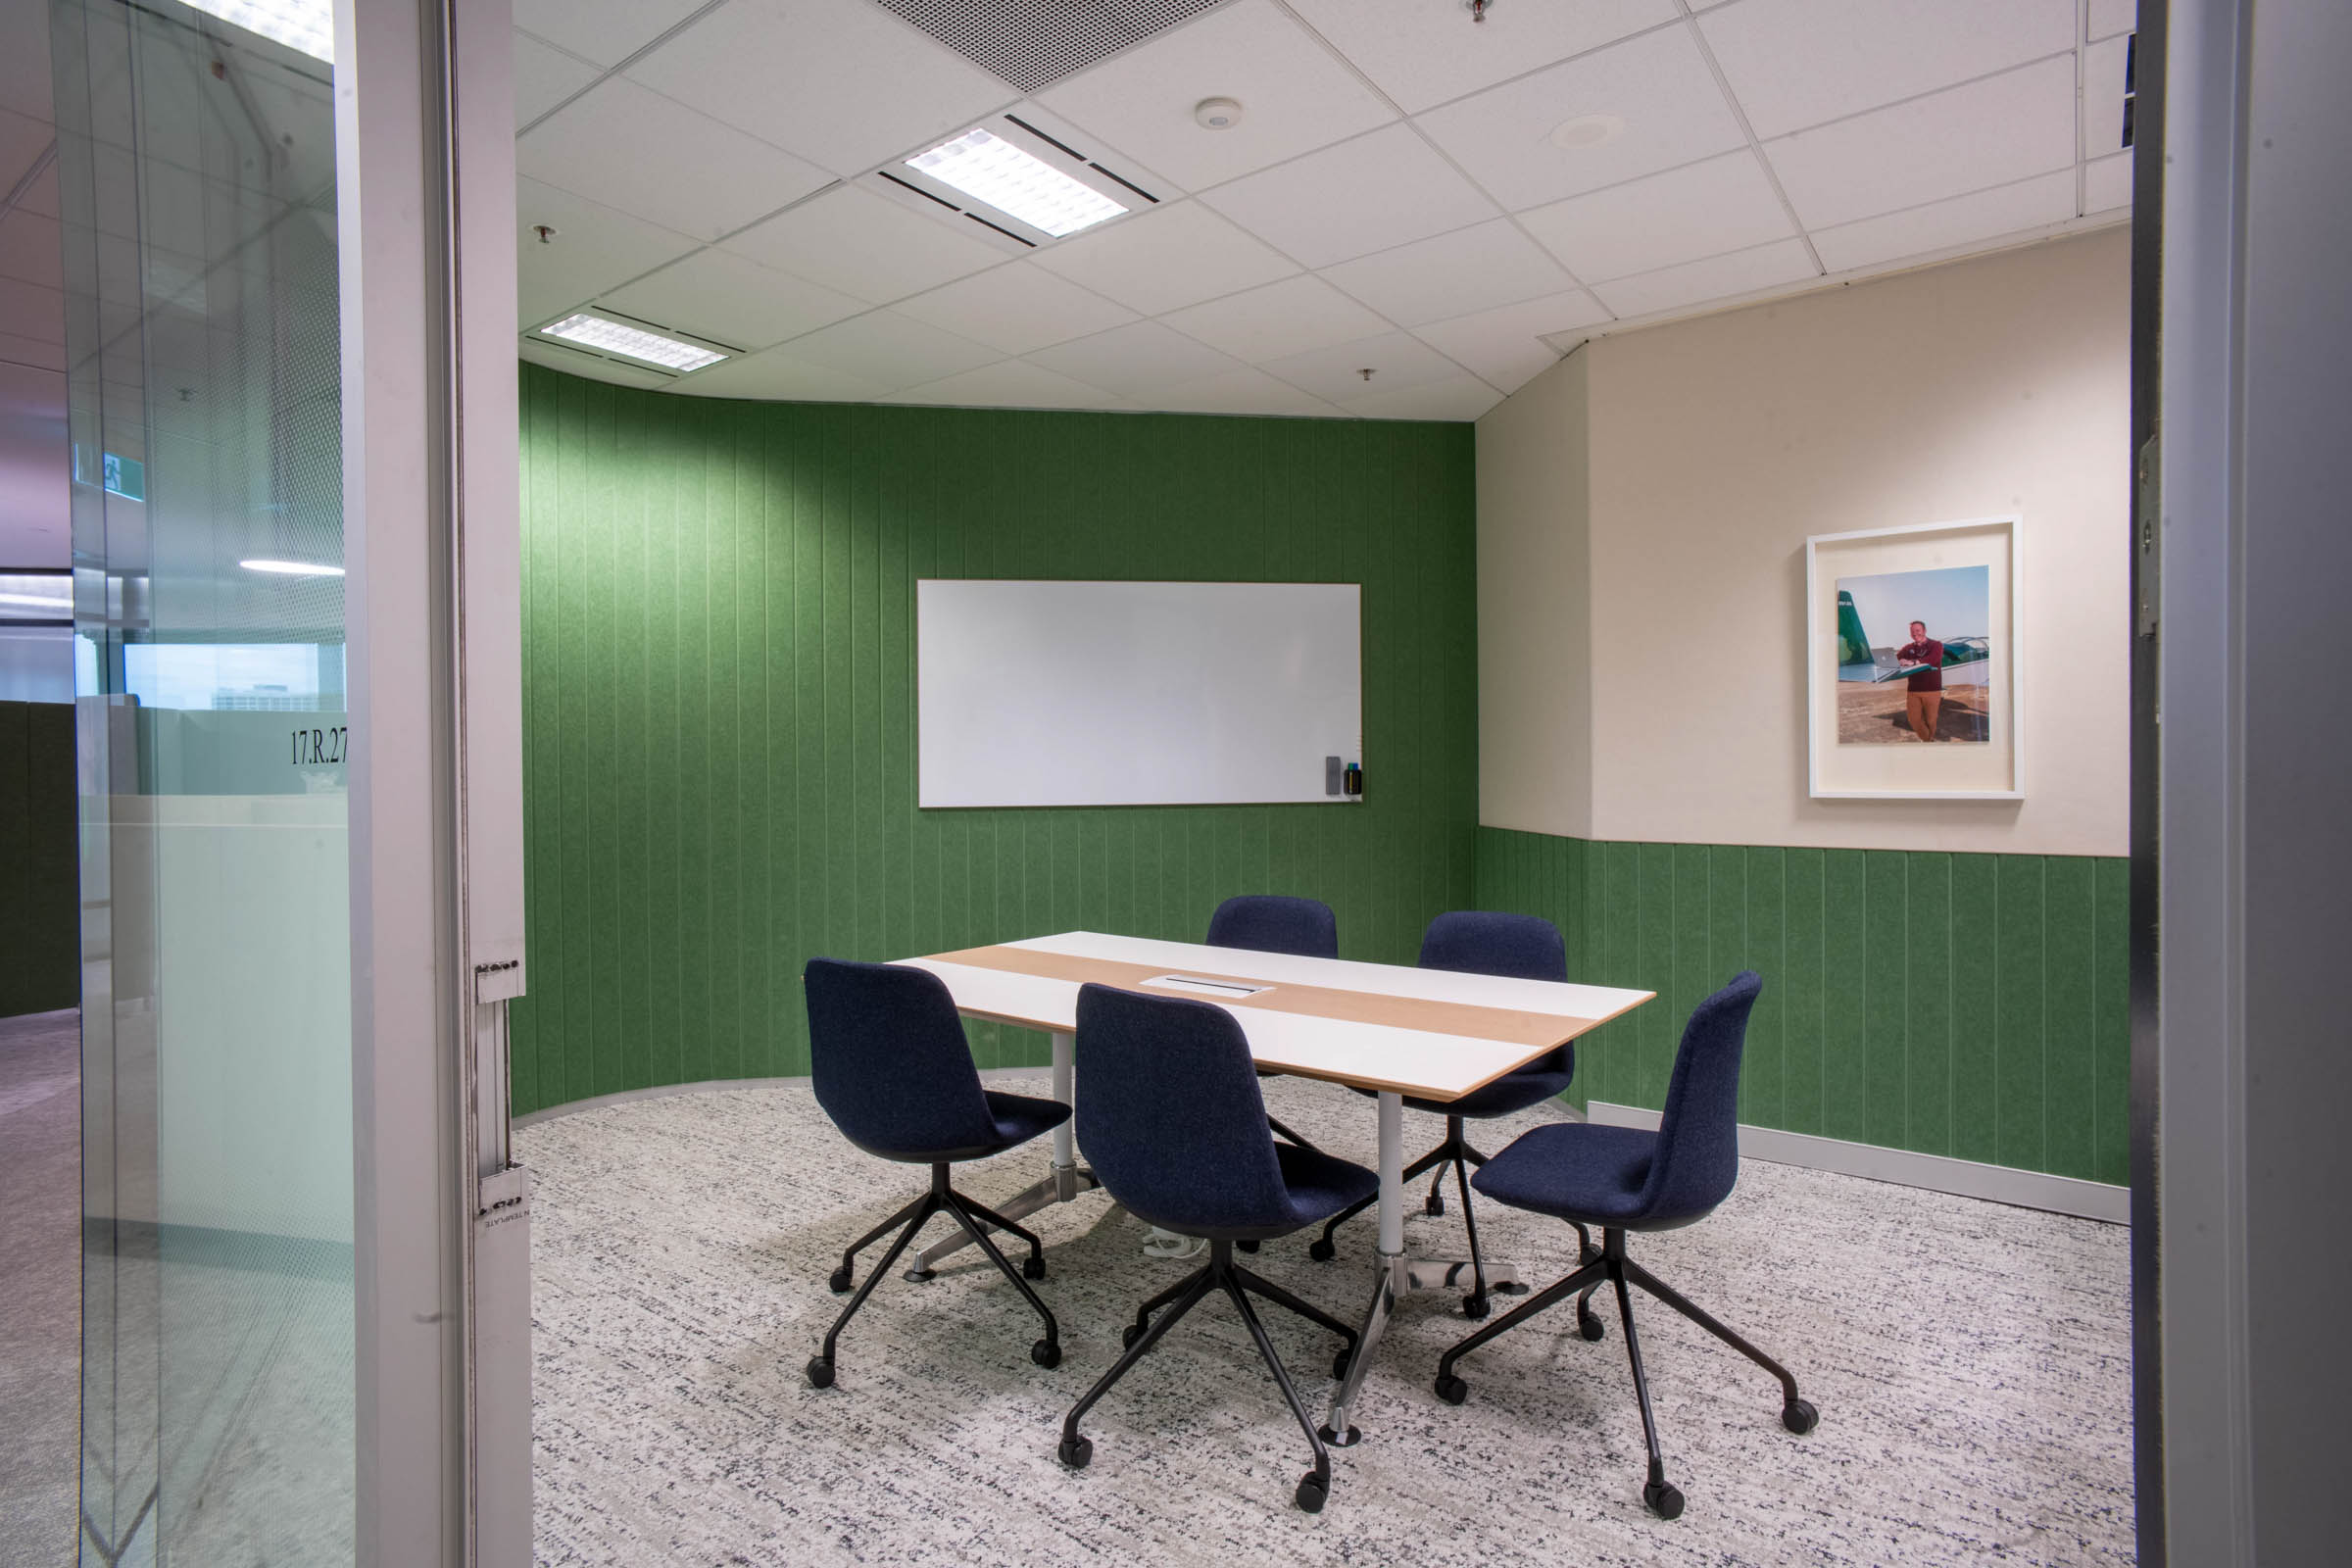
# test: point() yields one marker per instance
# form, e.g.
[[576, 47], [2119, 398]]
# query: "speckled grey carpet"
[[41, 1285], [1970, 1362]]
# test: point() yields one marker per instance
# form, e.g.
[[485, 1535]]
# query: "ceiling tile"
[[1797, 62], [606, 32], [1383, 189], [1166, 259], [782, 378], [596, 367], [1295, 96], [1015, 309], [1290, 316], [1462, 398], [1422, 54], [1452, 274], [645, 154], [2103, 97], [544, 76], [2107, 183], [731, 299], [892, 349], [1718, 277], [1986, 133], [843, 83], [25, 83], [1505, 345], [865, 246], [1939, 225], [1009, 384], [1657, 85], [42, 197], [1240, 391], [1135, 360], [2109, 16], [33, 249], [594, 249], [1725, 204], [1336, 374]]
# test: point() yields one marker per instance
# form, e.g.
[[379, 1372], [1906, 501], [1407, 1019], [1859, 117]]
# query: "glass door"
[[198, 185]]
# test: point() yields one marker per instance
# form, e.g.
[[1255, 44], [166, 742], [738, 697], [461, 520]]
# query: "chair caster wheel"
[[820, 1372], [1033, 1269], [1129, 1334], [1475, 1305], [841, 1281], [1313, 1491], [1075, 1451], [1321, 1250], [1453, 1390], [1244, 1247], [1590, 1325], [1800, 1416], [1433, 1205], [1045, 1353], [1338, 1363], [1664, 1500]]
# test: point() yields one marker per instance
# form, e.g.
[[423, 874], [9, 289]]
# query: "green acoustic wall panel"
[[718, 693], [40, 901], [1961, 1005]]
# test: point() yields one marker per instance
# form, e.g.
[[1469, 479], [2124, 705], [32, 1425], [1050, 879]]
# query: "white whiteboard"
[[1135, 693]]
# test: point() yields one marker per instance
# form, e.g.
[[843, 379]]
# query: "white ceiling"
[[35, 530], [1393, 199]]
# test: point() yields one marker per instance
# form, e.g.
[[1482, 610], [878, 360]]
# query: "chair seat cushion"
[[1320, 1185], [1506, 1096], [1573, 1171], [1021, 1118]]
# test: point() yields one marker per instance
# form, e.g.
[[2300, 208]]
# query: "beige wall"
[[1711, 450]]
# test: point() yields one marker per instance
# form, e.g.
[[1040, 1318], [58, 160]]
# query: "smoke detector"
[[1217, 113], [1586, 130]]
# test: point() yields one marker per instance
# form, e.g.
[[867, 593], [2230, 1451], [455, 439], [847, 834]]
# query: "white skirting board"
[[1999, 1184]]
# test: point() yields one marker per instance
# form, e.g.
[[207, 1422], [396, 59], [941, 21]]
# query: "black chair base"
[[977, 1221], [1454, 1154], [1239, 1284], [1611, 1266]]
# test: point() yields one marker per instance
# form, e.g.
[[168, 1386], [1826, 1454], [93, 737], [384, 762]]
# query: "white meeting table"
[[1433, 1034]]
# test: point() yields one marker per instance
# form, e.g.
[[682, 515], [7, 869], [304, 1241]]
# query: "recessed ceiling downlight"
[[1586, 130], [989, 168], [631, 341]]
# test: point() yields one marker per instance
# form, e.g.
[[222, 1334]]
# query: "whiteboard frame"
[[926, 796]]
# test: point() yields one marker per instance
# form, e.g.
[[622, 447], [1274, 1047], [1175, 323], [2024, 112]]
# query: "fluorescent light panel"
[[293, 569], [631, 342], [305, 25], [989, 168]]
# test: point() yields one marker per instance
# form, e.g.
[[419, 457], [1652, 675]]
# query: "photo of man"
[[1932, 689], [1923, 655]]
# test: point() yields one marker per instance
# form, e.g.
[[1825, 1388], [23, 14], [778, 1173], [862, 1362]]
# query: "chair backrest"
[[1170, 1114], [889, 1061], [1697, 1156], [1519, 947], [1266, 922]]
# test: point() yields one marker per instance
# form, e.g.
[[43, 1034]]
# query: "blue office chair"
[[1623, 1179], [891, 1066], [1266, 922], [1522, 947], [1175, 1129]]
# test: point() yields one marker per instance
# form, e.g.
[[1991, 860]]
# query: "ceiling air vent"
[[1032, 42]]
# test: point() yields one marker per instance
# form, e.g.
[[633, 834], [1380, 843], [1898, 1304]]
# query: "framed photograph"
[[1912, 663]]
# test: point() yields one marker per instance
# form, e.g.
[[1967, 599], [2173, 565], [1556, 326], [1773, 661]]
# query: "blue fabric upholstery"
[[1518, 947], [1265, 922], [1636, 1180], [1174, 1127], [889, 1065]]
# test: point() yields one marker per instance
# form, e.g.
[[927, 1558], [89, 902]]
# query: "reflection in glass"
[[196, 166]]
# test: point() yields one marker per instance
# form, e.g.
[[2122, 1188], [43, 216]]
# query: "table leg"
[[1064, 1180]]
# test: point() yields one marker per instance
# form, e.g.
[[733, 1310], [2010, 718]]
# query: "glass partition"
[[197, 165]]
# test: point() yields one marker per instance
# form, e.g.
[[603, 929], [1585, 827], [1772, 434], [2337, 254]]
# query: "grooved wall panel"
[[718, 699], [1961, 1005]]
